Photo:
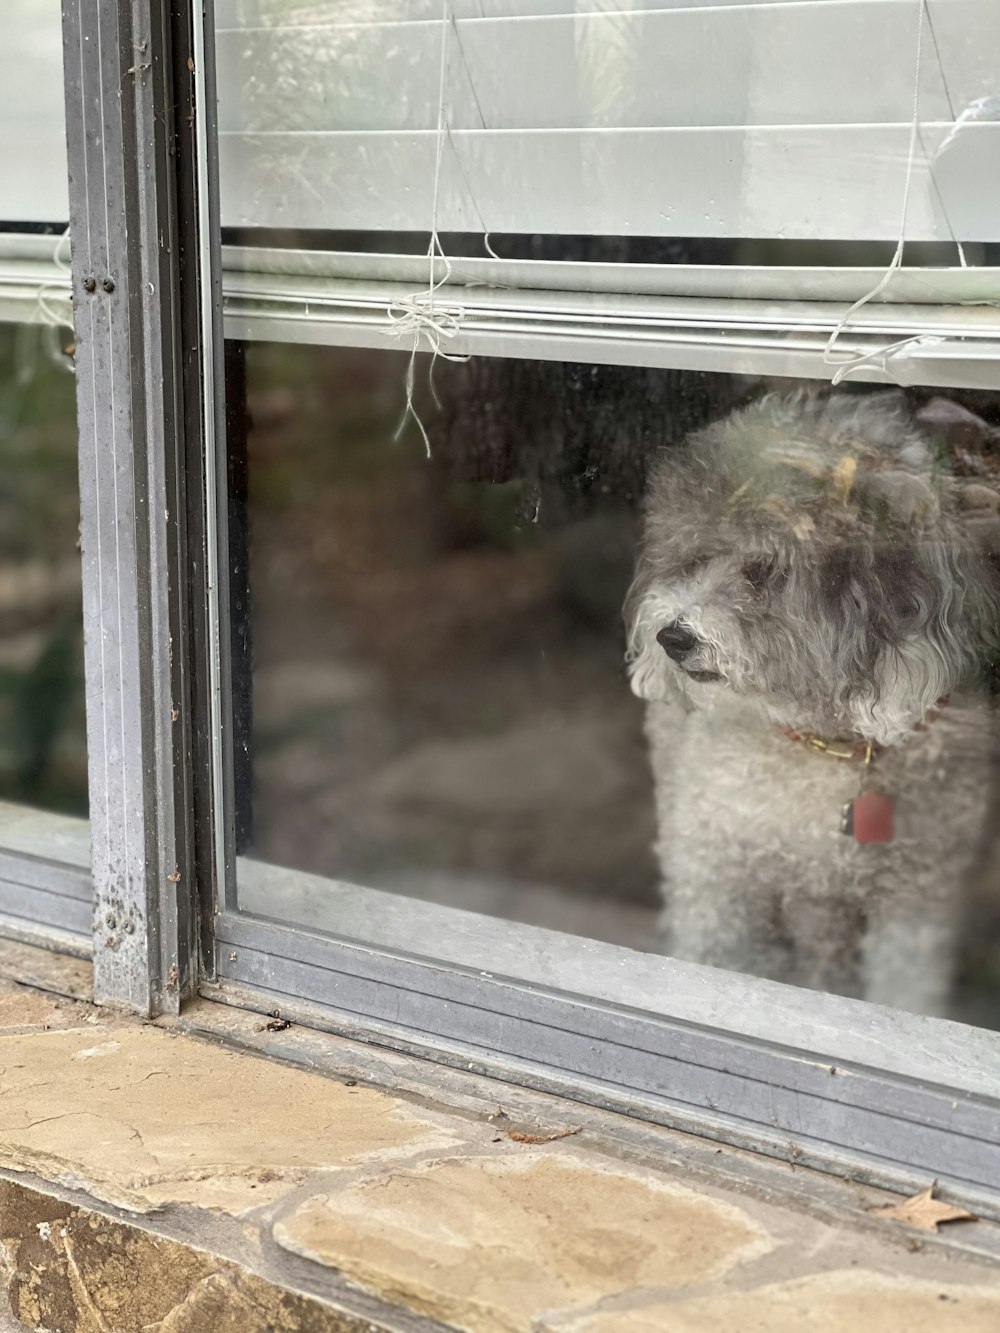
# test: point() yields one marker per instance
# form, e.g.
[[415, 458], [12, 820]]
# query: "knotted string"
[[420, 314], [880, 357], [53, 308]]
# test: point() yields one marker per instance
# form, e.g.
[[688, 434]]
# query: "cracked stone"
[[489, 1244], [71, 1268], [139, 1117], [848, 1301]]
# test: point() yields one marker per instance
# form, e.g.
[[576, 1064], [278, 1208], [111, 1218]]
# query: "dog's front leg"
[[909, 953], [718, 902], [712, 915]]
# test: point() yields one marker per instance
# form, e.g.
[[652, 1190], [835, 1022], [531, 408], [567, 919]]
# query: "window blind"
[[32, 114], [759, 120], [753, 123], [770, 120]]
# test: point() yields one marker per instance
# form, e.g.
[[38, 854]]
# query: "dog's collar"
[[854, 748], [834, 749]]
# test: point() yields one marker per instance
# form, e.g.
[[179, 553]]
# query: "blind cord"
[[54, 307], [420, 314], [879, 357]]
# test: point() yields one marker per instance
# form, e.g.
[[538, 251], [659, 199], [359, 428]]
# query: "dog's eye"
[[759, 573]]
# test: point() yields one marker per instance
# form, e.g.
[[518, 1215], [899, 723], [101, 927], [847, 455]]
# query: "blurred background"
[[429, 651], [43, 754]]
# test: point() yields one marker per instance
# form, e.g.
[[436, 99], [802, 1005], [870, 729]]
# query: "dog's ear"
[[648, 670], [898, 498], [970, 442], [978, 506]]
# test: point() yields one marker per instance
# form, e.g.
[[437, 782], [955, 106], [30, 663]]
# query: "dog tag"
[[871, 818]]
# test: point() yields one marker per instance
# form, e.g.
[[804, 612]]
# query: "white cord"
[[859, 359], [53, 308], [419, 314]]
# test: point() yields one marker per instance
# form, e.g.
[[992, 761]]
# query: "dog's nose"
[[676, 640]]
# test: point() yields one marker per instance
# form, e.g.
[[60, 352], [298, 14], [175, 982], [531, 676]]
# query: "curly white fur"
[[811, 562]]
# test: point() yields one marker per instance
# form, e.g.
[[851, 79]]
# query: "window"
[[43, 753], [407, 364]]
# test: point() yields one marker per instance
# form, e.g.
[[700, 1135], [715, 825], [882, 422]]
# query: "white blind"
[[762, 119], [32, 113], [754, 120], [770, 119]]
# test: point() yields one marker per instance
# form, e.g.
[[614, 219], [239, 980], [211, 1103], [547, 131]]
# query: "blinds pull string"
[[880, 356], [421, 314], [54, 309]]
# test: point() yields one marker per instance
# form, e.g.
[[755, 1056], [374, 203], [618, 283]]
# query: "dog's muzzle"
[[678, 642]]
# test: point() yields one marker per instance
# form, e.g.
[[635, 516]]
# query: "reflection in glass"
[[635, 223], [441, 702]]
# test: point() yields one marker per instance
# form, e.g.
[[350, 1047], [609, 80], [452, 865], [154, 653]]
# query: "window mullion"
[[120, 63]]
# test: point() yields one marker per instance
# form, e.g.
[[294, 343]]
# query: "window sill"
[[346, 1166]]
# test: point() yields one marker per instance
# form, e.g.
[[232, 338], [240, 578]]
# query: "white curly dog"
[[813, 624]]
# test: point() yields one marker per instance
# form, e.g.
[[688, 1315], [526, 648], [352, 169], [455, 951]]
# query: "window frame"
[[873, 1094], [135, 280], [43, 898]]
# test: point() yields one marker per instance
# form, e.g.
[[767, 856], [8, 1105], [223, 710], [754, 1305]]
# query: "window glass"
[[614, 499], [43, 754]]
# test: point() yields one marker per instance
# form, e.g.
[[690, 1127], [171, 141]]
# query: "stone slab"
[[836, 1302], [489, 1243], [140, 1117], [222, 1189]]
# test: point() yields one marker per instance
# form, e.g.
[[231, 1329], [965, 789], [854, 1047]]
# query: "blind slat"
[[32, 116], [308, 13], [921, 286], [813, 182], [756, 65], [31, 265]]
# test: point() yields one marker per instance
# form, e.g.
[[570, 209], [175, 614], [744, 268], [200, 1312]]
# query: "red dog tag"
[[873, 817]]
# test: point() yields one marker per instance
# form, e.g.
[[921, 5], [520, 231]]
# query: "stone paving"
[[158, 1181]]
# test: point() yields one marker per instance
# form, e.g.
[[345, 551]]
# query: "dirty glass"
[[43, 756], [614, 472]]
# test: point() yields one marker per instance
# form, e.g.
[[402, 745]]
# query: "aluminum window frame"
[[869, 1093], [136, 279]]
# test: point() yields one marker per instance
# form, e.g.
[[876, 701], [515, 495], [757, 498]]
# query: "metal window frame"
[[129, 99], [45, 889], [870, 1093], [45, 900], [712, 1061]]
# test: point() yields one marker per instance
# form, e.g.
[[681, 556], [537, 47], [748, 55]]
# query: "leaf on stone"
[[924, 1211], [520, 1137]]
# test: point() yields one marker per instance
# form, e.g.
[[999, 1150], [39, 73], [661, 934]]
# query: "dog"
[[814, 624]]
